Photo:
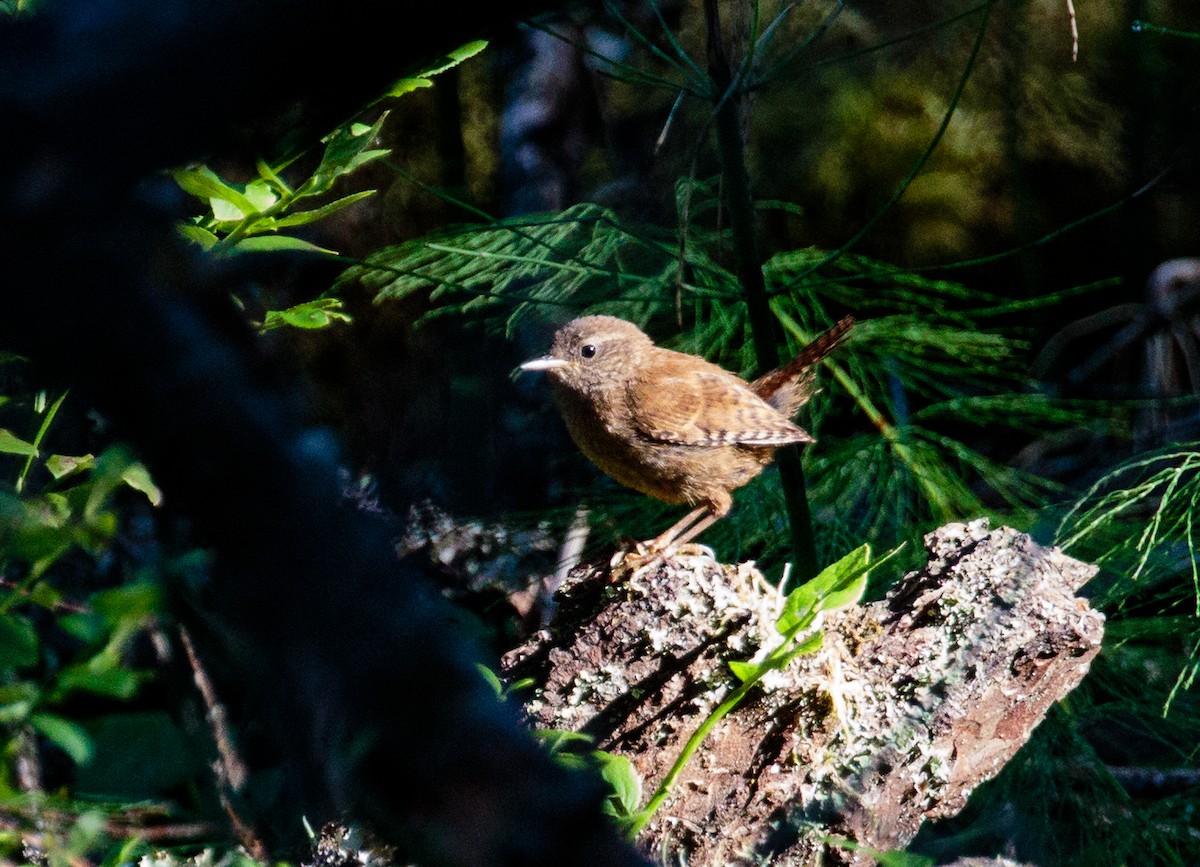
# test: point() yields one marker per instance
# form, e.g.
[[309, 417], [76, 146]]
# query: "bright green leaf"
[[137, 477], [279, 243], [203, 183], [838, 584], [206, 239], [345, 150], [301, 218], [457, 56], [492, 679], [311, 314], [227, 212], [261, 195], [408, 85], [624, 781], [70, 736], [743, 671], [12, 444], [61, 466]]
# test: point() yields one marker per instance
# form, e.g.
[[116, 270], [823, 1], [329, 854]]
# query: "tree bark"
[[911, 703]]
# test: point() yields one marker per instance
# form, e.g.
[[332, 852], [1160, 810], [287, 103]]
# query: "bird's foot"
[[633, 561]]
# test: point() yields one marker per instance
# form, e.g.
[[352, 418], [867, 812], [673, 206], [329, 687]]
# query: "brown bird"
[[673, 425]]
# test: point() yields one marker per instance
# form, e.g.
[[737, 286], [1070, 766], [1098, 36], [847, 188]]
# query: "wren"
[[672, 425]]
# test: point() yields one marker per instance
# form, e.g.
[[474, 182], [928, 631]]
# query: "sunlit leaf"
[[61, 466], [137, 477], [623, 780], [70, 736], [12, 444], [280, 244], [311, 314], [839, 584]]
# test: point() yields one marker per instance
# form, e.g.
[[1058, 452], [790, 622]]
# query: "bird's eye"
[[587, 350]]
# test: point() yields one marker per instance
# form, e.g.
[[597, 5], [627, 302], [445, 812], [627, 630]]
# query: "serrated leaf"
[[71, 737], [280, 243], [408, 85], [457, 56], [12, 444], [61, 466]]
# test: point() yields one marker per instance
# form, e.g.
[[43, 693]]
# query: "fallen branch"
[[911, 703]]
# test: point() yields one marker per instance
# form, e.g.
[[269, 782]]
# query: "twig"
[[229, 768], [1074, 31]]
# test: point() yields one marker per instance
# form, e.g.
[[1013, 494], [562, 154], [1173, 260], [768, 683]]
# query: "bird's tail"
[[789, 387]]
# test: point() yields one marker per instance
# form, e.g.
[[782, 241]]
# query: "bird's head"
[[593, 353]]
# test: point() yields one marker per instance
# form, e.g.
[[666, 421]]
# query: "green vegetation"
[[930, 415]]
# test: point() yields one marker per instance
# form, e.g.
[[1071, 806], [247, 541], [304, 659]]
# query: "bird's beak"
[[544, 363]]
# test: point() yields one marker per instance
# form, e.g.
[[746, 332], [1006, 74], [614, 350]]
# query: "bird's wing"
[[707, 408]]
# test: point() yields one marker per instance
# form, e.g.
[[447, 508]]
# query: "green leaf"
[[624, 781], [12, 444], [261, 195], [18, 642], [457, 56], [743, 671], [204, 183], [346, 148], [492, 679], [61, 466], [556, 740], [137, 477], [206, 239], [301, 218], [96, 677], [408, 85], [279, 243], [70, 736], [841, 583], [132, 602], [311, 314], [17, 700]]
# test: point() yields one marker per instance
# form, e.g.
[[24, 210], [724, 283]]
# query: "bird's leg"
[[695, 530], [701, 517]]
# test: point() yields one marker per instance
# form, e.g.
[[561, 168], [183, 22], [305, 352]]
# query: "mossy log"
[[911, 702]]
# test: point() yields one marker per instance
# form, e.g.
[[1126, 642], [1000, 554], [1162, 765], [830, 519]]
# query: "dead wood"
[[911, 703]]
